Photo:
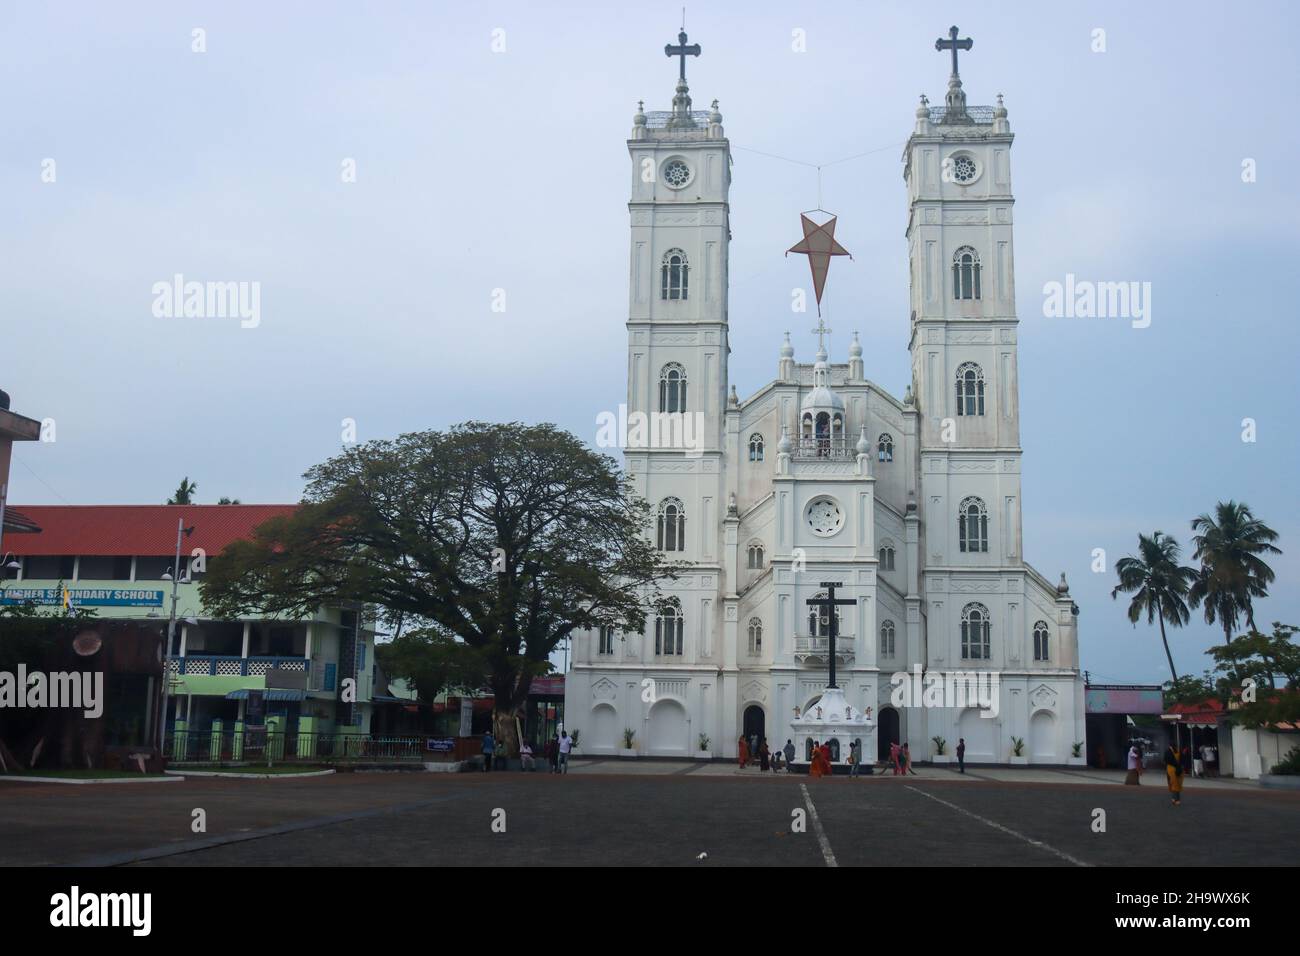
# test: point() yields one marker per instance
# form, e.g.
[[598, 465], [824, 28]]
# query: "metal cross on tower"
[[820, 331], [828, 603], [952, 43], [683, 51]]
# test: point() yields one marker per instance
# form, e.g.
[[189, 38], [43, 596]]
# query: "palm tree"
[[183, 494], [1158, 583], [1229, 546]]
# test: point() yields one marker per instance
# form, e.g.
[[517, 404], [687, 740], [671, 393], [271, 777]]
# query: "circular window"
[[963, 169], [824, 516], [676, 173]]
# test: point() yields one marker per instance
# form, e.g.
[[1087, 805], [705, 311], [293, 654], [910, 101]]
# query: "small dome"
[[715, 116], [855, 347], [783, 446], [787, 350], [1062, 588], [864, 446], [822, 398], [639, 118], [1000, 111], [923, 108]]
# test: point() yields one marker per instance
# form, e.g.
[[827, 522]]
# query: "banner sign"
[[1123, 700], [440, 745], [84, 597]]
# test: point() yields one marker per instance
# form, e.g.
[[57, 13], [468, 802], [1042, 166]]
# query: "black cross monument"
[[828, 604], [683, 51], [952, 43]]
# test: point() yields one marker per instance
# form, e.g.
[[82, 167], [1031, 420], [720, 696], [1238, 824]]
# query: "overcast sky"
[[478, 170]]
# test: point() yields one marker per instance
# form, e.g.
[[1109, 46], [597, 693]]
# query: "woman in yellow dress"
[[1174, 772]]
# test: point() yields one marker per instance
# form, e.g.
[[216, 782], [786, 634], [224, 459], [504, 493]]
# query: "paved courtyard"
[[609, 812]]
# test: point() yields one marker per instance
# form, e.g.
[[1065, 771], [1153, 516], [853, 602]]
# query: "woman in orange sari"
[[742, 749], [818, 766], [1174, 773]]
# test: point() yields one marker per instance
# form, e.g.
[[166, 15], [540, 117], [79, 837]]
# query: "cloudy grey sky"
[[479, 170]]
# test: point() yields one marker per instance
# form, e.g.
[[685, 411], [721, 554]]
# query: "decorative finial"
[[1062, 588]]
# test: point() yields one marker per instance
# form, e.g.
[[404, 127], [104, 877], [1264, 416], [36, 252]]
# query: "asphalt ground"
[[668, 816]]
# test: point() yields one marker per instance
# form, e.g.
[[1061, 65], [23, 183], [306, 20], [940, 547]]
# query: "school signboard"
[[85, 597]]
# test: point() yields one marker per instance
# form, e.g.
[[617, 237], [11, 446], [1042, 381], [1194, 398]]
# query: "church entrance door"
[[888, 733], [753, 725]]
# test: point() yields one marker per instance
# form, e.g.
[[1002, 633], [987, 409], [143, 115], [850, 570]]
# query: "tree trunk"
[[1165, 641], [505, 732]]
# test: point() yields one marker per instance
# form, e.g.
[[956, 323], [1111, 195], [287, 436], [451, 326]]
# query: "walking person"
[[1174, 774], [553, 753], [907, 761], [526, 761], [894, 751], [489, 745], [855, 757], [566, 745], [742, 752], [764, 756], [1134, 776], [789, 755], [961, 754]]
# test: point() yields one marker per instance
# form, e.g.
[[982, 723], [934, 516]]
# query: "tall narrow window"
[[674, 275], [756, 447], [965, 274], [970, 389], [975, 632], [668, 631], [887, 639], [755, 557], [885, 447], [972, 526], [755, 637], [672, 388], [606, 645], [1040, 641], [672, 525], [886, 557]]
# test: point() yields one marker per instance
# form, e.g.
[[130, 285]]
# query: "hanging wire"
[[819, 166]]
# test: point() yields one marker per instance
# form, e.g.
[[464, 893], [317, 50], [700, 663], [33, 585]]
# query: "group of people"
[[556, 751], [755, 750], [901, 758], [1178, 763]]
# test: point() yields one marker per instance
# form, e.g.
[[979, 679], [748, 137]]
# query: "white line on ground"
[[997, 826], [827, 855]]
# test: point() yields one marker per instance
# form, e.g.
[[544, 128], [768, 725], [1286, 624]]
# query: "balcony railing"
[[206, 746], [824, 449], [224, 666], [817, 648]]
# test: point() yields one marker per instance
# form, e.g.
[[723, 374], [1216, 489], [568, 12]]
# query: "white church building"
[[911, 504]]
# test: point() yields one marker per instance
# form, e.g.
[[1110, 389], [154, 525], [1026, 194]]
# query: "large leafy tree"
[[1229, 545], [507, 538], [1158, 584], [1265, 669], [431, 661]]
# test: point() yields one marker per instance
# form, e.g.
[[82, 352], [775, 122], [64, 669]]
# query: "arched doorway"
[[753, 724], [887, 733]]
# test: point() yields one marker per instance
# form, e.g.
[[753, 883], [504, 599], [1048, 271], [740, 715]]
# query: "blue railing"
[[223, 666]]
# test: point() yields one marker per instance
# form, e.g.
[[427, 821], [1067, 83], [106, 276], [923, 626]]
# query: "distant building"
[[112, 560]]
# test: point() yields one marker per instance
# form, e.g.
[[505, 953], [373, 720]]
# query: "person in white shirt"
[[525, 756], [1133, 777], [566, 745]]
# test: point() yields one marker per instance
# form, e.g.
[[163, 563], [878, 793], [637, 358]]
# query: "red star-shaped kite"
[[818, 245]]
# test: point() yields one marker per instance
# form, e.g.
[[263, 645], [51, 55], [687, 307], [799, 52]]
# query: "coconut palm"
[[1232, 574], [1159, 585]]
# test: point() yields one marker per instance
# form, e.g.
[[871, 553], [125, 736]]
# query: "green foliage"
[[29, 630], [629, 738], [432, 662], [505, 538], [940, 745], [1188, 690], [1076, 749], [1265, 668], [1018, 746], [184, 494], [1290, 764], [704, 742], [1159, 585], [1228, 545]]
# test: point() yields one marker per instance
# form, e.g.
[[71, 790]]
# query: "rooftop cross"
[[952, 43], [683, 51], [820, 331]]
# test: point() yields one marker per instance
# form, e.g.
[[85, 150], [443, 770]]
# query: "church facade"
[[911, 504]]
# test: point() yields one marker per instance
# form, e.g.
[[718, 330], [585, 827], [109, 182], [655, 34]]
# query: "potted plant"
[[1077, 759], [941, 754], [1285, 774], [1018, 751], [703, 753], [629, 743]]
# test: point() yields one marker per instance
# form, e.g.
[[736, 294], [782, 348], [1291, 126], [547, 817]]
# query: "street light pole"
[[175, 576]]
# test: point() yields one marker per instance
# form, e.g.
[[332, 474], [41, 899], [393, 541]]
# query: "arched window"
[[606, 641], [886, 556], [975, 632], [755, 557], [756, 447], [819, 622], [972, 525], [674, 275], [965, 274], [755, 637], [672, 388], [887, 639], [885, 447], [1040, 641], [970, 389], [672, 525], [668, 630]]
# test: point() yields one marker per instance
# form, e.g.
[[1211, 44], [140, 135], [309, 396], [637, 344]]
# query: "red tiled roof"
[[15, 522], [137, 529]]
